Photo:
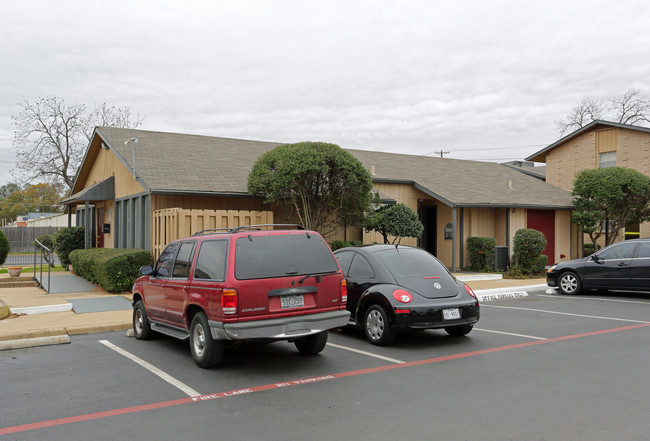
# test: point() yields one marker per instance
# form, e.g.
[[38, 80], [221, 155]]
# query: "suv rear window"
[[261, 257]]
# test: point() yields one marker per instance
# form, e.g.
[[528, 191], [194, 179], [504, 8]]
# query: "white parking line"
[[566, 313], [510, 333], [168, 378], [369, 354], [557, 296]]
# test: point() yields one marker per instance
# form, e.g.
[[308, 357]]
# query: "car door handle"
[[623, 264]]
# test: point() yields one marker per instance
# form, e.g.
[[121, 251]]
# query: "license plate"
[[450, 314], [292, 301]]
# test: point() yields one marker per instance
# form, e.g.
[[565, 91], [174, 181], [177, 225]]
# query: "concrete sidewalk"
[[40, 318]]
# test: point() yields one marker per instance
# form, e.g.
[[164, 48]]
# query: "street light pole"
[[134, 141]]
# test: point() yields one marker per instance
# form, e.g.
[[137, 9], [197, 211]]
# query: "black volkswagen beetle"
[[621, 266], [396, 287]]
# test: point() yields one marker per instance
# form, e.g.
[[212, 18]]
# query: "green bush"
[[67, 240], [113, 269], [481, 252], [48, 242], [4, 247], [335, 245], [528, 247], [588, 249]]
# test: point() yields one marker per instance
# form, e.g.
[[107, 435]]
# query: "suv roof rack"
[[246, 227]]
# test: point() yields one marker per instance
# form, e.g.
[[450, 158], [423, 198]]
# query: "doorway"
[[544, 221], [100, 221], [430, 222]]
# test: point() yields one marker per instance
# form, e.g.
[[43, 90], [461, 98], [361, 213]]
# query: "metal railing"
[[46, 255]]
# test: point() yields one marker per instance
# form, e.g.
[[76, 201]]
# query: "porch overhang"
[[101, 191]]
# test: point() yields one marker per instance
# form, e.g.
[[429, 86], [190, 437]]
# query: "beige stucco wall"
[[106, 165]]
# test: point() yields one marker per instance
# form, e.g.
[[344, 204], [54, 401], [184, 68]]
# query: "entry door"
[[429, 219], [100, 222], [544, 221]]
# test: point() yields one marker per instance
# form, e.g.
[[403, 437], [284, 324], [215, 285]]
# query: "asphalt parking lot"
[[543, 367]]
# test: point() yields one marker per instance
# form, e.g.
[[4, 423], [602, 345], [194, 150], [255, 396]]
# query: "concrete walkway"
[[64, 281]]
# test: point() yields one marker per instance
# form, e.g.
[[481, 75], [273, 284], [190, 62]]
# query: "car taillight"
[[229, 301], [344, 291], [402, 296], [469, 291]]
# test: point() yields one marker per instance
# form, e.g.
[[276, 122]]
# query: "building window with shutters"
[[607, 159]]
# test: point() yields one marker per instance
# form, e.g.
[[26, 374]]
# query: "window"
[[619, 251], [344, 258], [183, 260], [282, 255], [211, 263], [644, 249], [607, 159], [410, 262], [360, 268], [166, 260]]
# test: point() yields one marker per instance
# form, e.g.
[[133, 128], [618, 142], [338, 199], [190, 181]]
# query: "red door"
[[100, 222], [544, 221]]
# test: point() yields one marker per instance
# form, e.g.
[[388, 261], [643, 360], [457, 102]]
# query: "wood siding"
[[175, 223]]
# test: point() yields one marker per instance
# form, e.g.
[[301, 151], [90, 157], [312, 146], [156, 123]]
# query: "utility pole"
[[441, 153]]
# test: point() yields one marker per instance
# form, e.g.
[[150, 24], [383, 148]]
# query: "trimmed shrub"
[[4, 247], [335, 245], [67, 240], [528, 247], [481, 252], [113, 269]]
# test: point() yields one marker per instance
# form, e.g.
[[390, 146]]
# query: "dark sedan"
[[395, 287], [621, 266]]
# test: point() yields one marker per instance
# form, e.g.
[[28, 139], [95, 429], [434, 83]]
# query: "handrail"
[[48, 259]]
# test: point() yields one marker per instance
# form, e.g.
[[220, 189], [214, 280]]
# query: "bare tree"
[[51, 137], [631, 108]]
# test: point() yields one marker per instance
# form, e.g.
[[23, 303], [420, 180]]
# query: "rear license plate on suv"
[[292, 301], [450, 314]]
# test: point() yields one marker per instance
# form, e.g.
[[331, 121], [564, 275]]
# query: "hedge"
[[481, 252], [528, 247], [67, 240], [113, 269]]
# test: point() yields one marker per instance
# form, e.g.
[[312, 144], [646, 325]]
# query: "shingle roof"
[[193, 164]]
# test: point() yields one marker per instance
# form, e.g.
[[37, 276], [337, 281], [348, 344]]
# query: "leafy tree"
[[324, 186], [37, 198], [51, 137], [396, 220], [631, 108], [613, 195]]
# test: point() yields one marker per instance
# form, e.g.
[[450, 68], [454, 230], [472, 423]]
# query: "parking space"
[[108, 381]]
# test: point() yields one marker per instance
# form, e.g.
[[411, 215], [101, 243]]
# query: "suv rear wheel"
[[206, 351], [312, 344]]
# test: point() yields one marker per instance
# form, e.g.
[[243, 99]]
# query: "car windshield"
[[260, 257], [411, 262]]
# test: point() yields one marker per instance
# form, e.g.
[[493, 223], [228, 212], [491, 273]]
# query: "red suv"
[[241, 284]]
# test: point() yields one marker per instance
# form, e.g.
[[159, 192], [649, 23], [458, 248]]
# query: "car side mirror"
[[162, 272], [146, 270], [596, 259]]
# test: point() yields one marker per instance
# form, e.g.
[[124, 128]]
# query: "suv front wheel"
[[206, 351]]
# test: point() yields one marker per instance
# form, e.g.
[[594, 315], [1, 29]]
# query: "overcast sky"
[[482, 80]]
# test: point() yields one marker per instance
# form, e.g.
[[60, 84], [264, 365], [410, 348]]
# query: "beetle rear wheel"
[[377, 326]]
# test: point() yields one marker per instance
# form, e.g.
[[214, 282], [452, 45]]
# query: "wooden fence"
[[174, 223]]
